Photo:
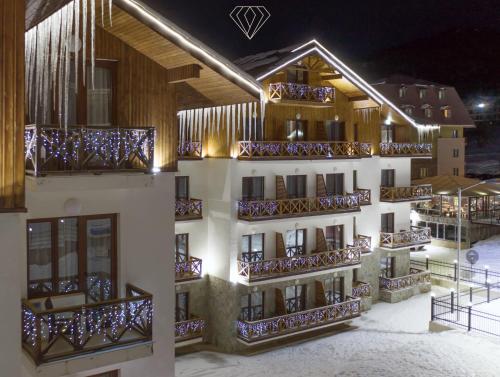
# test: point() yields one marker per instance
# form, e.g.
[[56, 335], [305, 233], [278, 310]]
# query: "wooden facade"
[[12, 197]]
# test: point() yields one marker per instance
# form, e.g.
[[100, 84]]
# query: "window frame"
[[300, 249], [250, 308], [177, 185], [248, 256], [247, 182], [177, 254], [294, 180], [296, 299], [334, 289]]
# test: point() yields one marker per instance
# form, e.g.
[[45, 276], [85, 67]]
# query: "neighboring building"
[[438, 106], [484, 110], [87, 272], [298, 206], [480, 210]]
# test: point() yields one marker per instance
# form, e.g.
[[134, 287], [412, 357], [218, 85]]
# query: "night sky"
[[355, 29]]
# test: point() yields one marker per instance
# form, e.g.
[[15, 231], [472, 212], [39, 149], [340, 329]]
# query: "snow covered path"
[[392, 340]]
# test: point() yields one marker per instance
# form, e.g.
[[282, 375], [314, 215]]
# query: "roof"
[[449, 185], [265, 64], [221, 82], [390, 87]]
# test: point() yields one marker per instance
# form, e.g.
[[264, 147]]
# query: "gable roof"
[[265, 64]]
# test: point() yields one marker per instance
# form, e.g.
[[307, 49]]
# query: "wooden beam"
[[335, 76], [359, 98], [183, 73], [12, 105]]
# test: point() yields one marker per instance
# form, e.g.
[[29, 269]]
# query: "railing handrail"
[[413, 229], [420, 272], [426, 185], [284, 83], [312, 198], [86, 127]]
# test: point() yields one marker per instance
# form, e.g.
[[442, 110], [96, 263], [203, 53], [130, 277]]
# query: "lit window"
[[428, 112], [424, 172], [402, 91], [454, 133], [422, 93], [442, 93], [456, 152], [456, 172], [408, 110], [447, 112]]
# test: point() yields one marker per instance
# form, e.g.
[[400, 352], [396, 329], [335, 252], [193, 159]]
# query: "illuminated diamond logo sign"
[[250, 18]]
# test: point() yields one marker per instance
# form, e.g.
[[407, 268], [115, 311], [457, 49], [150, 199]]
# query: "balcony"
[[361, 289], [54, 150], [365, 196], [397, 289], [364, 243], [406, 238], [188, 270], [275, 327], [405, 150], [188, 209], [302, 150], [68, 331], [300, 264], [189, 150], [405, 194], [189, 330], [268, 209], [301, 94]]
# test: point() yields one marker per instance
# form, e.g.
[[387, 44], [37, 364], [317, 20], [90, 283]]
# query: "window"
[[181, 306], [335, 184], [252, 188], [252, 306], [334, 290], [388, 177], [447, 112], [296, 186], [335, 131], [252, 247], [295, 298], [428, 112], [181, 247], [296, 130], [354, 180], [335, 237], [387, 133], [72, 254], [387, 222], [422, 93], [297, 75], [402, 91], [408, 110], [456, 172], [442, 93], [295, 242], [182, 187], [424, 172], [456, 152], [454, 134], [387, 269]]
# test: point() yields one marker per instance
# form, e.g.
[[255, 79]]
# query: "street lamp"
[[459, 230]]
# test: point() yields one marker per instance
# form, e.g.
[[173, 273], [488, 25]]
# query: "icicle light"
[[49, 48]]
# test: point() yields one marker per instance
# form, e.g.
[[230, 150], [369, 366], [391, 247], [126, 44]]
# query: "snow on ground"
[[488, 250], [391, 341]]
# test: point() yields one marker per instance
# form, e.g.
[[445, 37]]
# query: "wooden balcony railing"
[[365, 196], [189, 150], [59, 333], [252, 331], [406, 238], [280, 91], [405, 194], [188, 270], [190, 329], [304, 150], [416, 277], [361, 289], [254, 210], [364, 243], [51, 150], [188, 209], [300, 264], [405, 150]]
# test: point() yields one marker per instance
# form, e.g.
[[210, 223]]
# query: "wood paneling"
[[281, 192], [320, 241], [280, 246], [320, 299], [12, 105]]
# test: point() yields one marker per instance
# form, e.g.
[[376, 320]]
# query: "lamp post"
[[459, 232]]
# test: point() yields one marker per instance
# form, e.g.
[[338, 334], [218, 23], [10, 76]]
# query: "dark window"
[[295, 298], [254, 130], [335, 184], [295, 242], [334, 290], [182, 187], [387, 222], [72, 254], [387, 267], [296, 130], [388, 178], [181, 247], [335, 237], [252, 247], [354, 180], [297, 76], [456, 172], [356, 132], [387, 133], [296, 186], [456, 152], [181, 306], [252, 306], [252, 188], [335, 131]]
